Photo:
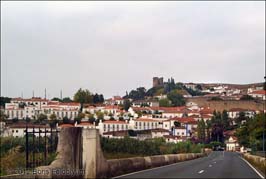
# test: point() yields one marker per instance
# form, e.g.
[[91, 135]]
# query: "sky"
[[114, 47]]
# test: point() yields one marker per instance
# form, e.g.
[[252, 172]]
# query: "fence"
[[40, 142]]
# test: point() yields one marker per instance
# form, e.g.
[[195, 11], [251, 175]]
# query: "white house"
[[232, 144], [260, 94], [174, 139], [146, 123], [155, 133], [112, 125], [19, 130], [180, 131]]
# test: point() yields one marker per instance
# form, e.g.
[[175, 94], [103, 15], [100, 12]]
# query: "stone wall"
[[227, 104], [256, 161], [122, 166], [80, 156]]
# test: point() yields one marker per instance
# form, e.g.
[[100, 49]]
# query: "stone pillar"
[[79, 156], [93, 162]]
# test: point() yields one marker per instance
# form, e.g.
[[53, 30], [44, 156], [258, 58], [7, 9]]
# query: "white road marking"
[[210, 165], [214, 162], [155, 168], [201, 171], [252, 167]]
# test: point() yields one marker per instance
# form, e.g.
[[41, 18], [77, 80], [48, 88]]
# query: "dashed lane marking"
[[201, 171], [210, 165]]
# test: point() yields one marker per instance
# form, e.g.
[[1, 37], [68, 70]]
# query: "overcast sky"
[[113, 47]]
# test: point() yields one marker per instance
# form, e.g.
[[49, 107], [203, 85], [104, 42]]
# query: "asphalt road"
[[218, 164]]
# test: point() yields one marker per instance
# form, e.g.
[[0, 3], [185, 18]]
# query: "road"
[[218, 164]]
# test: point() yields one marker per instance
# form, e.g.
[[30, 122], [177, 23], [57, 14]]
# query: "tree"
[[3, 117], [56, 99], [250, 134], [208, 131], [198, 87], [126, 105], [41, 117], [4, 100], [96, 98], [14, 120], [176, 99], [53, 120], [217, 127], [201, 130], [81, 116], [177, 124], [241, 117], [91, 118], [164, 102], [246, 97], [225, 119], [27, 119], [52, 117], [66, 120], [66, 100], [137, 94], [99, 115], [216, 98], [83, 96]]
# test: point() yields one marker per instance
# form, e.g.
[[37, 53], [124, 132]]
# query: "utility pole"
[[33, 93], [45, 93], [263, 135], [61, 94]]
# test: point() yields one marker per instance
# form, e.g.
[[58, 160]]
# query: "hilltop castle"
[[157, 82]]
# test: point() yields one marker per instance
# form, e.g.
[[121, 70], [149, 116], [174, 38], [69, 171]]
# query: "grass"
[[15, 159]]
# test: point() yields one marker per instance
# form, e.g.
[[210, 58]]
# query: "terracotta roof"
[[206, 116], [114, 122], [237, 110], [111, 107], [69, 104], [117, 98], [145, 120], [187, 120], [263, 92], [181, 108], [66, 125], [29, 126]]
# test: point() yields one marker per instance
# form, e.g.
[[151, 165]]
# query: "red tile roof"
[[114, 122], [187, 120], [145, 120], [66, 125], [263, 92]]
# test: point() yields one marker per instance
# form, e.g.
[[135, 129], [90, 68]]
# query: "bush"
[[156, 146]]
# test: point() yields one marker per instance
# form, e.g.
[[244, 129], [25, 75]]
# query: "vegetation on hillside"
[[250, 133], [149, 147]]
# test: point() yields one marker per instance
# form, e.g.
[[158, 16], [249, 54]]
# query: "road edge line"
[[148, 169], [252, 167]]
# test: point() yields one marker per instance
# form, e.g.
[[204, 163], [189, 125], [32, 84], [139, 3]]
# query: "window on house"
[[16, 131]]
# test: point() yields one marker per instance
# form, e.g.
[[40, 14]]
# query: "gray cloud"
[[111, 47]]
